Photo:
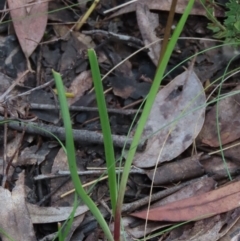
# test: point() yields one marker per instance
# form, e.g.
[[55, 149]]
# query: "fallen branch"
[[80, 136]]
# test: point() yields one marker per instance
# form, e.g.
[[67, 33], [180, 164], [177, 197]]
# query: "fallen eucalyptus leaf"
[[29, 22], [173, 124], [198, 207]]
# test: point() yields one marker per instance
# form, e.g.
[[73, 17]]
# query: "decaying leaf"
[[80, 85], [202, 230], [52, 214], [18, 216], [147, 23], [231, 230], [33, 155], [165, 6], [29, 22], [210, 229], [228, 115], [198, 207], [202, 185], [61, 163], [173, 123], [15, 218], [139, 230]]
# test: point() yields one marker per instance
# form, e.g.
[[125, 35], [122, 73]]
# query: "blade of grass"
[[72, 158], [60, 236], [142, 121], [65, 228], [217, 120], [6, 235], [105, 124]]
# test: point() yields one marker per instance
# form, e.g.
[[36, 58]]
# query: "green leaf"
[[237, 25]]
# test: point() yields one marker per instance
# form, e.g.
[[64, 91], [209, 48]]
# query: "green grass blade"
[[105, 124], [72, 159], [147, 108], [66, 226], [6, 235], [217, 121]]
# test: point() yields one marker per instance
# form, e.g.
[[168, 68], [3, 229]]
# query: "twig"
[[129, 207], [29, 91], [119, 37], [16, 82], [53, 191], [119, 6], [83, 173], [81, 108], [80, 136]]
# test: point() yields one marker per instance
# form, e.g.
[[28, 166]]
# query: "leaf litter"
[[200, 206], [172, 130], [174, 121], [26, 19]]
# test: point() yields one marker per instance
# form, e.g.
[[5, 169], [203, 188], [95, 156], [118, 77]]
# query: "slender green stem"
[[217, 121], [144, 116], [105, 124], [72, 158], [212, 18]]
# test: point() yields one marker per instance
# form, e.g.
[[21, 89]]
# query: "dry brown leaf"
[[210, 229], [80, 85], [138, 231], [29, 23], [200, 186], [52, 214], [33, 155], [203, 230], [165, 6], [169, 130], [61, 163], [228, 115], [15, 219], [198, 207], [147, 23]]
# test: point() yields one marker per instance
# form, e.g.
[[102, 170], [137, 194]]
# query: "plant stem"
[[72, 158], [143, 119], [105, 124]]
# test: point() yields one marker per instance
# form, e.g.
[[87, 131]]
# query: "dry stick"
[[167, 31], [84, 185], [80, 136], [124, 108], [29, 91], [119, 6], [81, 108], [53, 191], [4, 96], [61, 173], [4, 179], [120, 37]]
